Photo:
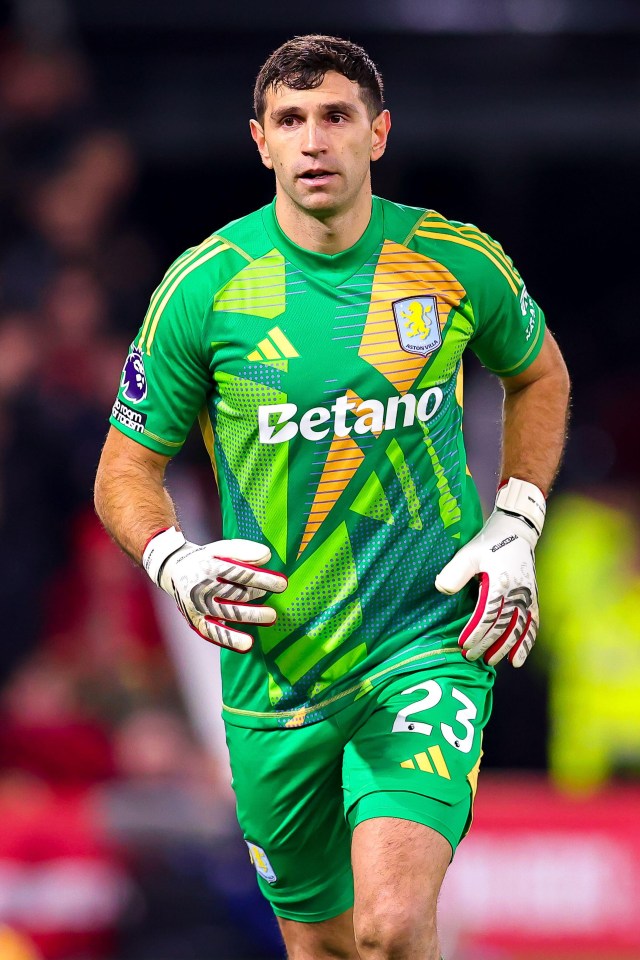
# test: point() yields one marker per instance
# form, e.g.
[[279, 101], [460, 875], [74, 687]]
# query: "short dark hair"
[[301, 64]]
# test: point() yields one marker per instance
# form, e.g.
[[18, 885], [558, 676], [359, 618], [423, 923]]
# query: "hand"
[[214, 584], [506, 617]]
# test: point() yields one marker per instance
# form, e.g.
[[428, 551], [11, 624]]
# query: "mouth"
[[316, 178]]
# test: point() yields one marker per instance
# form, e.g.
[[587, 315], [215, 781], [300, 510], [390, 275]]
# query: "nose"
[[313, 141]]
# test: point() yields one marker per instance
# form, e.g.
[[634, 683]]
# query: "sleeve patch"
[[132, 419]]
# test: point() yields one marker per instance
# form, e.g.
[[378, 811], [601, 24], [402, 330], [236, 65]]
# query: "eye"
[[336, 118], [289, 121]]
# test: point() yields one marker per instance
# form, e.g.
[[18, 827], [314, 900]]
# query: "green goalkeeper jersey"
[[329, 394]]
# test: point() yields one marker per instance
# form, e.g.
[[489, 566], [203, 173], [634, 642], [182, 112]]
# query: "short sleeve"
[[510, 325], [165, 379]]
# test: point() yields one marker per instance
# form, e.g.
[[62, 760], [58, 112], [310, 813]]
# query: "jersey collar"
[[332, 269]]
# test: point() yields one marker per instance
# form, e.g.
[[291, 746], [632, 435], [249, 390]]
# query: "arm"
[[213, 585], [506, 617], [535, 412], [130, 497]]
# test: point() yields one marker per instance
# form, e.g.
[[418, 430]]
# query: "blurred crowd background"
[[123, 140]]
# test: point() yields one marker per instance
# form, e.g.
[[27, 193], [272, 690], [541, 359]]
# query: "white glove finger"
[[508, 627], [476, 645], [227, 570], [214, 631], [516, 629], [222, 635], [246, 551], [244, 612], [521, 651], [487, 610], [459, 570], [233, 591]]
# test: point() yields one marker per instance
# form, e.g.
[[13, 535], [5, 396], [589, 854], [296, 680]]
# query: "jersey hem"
[[148, 439], [297, 717], [529, 356]]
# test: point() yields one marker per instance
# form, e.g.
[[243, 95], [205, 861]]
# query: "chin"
[[321, 203]]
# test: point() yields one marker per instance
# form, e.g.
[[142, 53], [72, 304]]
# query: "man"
[[319, 341]]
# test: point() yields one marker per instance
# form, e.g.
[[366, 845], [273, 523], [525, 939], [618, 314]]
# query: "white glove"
[[215, 583], [506, 618]]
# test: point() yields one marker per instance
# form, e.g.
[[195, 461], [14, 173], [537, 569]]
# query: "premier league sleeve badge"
[[134, 380]]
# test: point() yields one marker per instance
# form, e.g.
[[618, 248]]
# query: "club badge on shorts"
[[261, 862], [418, 324], [134, 379]]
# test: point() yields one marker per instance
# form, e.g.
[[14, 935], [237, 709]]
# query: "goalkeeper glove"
[[506, 618], [214, 584]]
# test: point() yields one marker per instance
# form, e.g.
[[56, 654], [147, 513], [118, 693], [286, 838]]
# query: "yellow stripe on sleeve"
[[177, 268], [434, 221], [171, 290], [473, 246]]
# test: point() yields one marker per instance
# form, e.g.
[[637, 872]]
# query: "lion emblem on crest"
[[134, 380]]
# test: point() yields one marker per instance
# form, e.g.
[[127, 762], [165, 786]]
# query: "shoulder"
[[471, 253], [181, 299], [202, 270], [400, 220]]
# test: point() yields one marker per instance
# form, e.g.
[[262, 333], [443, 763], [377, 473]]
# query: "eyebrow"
[[335, 106]]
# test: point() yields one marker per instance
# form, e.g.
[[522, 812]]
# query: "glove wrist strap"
[[524, 499], [160, 549]]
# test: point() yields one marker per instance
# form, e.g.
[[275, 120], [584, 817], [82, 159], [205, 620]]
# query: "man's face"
[[320, 143]]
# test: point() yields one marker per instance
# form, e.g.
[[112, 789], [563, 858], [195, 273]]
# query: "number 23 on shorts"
[[461, 738]]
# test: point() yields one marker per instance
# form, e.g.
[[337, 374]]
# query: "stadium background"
[[123, 140]]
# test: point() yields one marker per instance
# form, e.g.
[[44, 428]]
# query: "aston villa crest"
[[418, 324]]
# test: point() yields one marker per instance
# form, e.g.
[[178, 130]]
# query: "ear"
[[379, 134], [260, 141]]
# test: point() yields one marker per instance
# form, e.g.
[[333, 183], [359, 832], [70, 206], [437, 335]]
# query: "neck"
[[324, 232]]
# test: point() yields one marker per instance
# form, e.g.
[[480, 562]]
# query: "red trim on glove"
[[223, 624], [248, 566], [517, 645], [478, 613], [161, 530], [500, 642], [503, 483], [242, 603]]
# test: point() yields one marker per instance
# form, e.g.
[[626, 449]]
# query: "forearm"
[[132, 501], [534, 430]]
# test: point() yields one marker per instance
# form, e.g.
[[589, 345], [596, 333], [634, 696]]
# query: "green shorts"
[[410, 749]]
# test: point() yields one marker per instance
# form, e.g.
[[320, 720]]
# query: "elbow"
[[99, 493], [564, 382]]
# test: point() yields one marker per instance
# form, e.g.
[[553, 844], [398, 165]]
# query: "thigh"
[[398, 869], [417, 754], [288, 786]]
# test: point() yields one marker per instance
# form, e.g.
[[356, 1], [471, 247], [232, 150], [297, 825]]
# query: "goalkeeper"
[[360, 602]]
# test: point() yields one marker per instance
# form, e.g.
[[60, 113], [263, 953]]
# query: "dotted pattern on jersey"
[[319, 641], [268, 373], [261, 470], [372, 501], [315, 588], [389, 548], [445, 362], [395, 454], [246, 523]]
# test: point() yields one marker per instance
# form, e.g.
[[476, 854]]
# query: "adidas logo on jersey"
[[276, 422], [275, 346]]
